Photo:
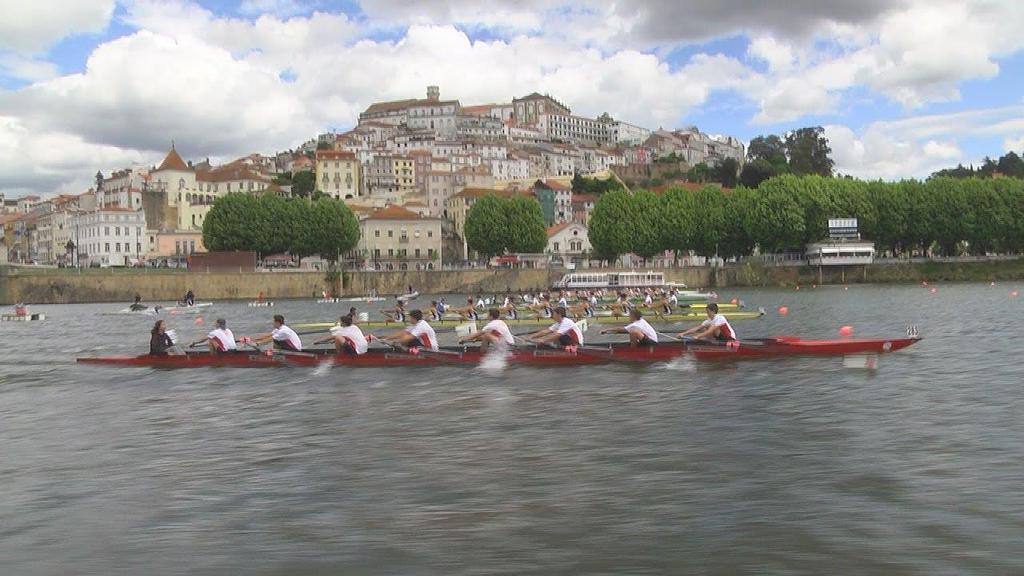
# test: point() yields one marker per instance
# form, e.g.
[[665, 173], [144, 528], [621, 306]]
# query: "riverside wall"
[[60, 286]]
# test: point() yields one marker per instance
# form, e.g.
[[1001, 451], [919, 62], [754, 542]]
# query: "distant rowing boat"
[[451, 321]]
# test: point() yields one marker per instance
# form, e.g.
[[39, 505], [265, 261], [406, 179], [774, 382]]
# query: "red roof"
[[395, 213], [173, 162], [557, 228]]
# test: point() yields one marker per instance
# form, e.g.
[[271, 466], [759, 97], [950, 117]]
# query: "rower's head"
[[635, 314], [346, 320], [401, 304], [493, 313], [221, 323], [278, 320], [138, 298], [416, 315], [559, 312], [712, 309], [352, 311], [469, 300], [158, 328]]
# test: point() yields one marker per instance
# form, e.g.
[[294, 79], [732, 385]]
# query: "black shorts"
[[645, 341], [284, 345], [566, 340], [347, 348]]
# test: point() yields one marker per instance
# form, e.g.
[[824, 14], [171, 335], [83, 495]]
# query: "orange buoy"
[[1014, 294], [783, 310], [733, 301], [198, 321], [846, 331], [934, 290]]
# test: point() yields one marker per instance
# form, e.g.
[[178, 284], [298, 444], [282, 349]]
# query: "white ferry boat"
[[613, 281]]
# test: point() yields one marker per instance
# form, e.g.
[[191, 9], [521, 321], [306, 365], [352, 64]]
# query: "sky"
[[902, 87]]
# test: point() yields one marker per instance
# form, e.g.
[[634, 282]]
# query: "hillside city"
[[410, 170]]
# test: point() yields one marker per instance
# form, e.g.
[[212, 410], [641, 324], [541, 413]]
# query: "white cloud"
[[26, 67], [279, 8], [28, 26], [918, 146], [1014, 144], [53, 161]]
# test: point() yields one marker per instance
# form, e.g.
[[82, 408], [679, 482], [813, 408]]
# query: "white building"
[[575, 129], [110, 236], [568, 240], [626, 134]]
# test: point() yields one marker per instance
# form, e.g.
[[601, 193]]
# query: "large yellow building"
[[337, 174], [396, 238]]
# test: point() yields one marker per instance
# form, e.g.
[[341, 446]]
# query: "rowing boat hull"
[[194, 360], [789, 346]]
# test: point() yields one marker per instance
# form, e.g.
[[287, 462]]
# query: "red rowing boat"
[[793, 346], [530, 356]]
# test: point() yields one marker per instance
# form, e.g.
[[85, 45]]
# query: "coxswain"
[[283, 337], [495, 333], [160, 343], [396, 314], [564, 331], [220, 339], [467, 312], [190, 298], [137, 306], [347, 337], [716, 327], [419, 333], [640, 331]]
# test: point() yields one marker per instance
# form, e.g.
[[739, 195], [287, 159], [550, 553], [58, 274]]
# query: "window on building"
[[106, 246], [106, 230], [391, 252], [177, 246], [376, 233], [138, 248], [391, 233]]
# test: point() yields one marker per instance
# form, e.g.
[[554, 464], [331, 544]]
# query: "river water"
[[790, 466]]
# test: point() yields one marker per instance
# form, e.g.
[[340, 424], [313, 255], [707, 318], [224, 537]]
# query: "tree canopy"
[[497, 225], [269, 224], [808, 151]]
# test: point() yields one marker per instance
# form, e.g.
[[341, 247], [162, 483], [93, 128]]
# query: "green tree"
[[647, 219], [229, 224], [699, 173], [679, 220], [890, 205], [770, 148], [1011, 165], [610, 230], [485, 227], [334, 230], [709, 215], [524, 229], [756, 171], [777, 218], [726, 172], [303, 183], [808, 151], [737, 239]]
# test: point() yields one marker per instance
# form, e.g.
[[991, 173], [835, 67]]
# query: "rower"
[[480, 304], [640, 331], [542, 309], [419, 333], [352, 314], [469, 311], [348, 338], [137, 305], [495, 333], [160, 343], [716, 327], [283, 337], [259, 297], [396, 314], [621, 306], [564, 331], [190, 298], [220, 339], [562, 301]]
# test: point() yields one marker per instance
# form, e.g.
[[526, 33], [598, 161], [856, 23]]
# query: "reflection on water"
[[787, 466]]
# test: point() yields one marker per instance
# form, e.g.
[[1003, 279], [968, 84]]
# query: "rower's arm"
[[616, 330], [322, 340], [199, 342]]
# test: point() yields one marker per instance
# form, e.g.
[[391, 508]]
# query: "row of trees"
[[1009, 164], [269, 224], [943, 215], [498, 225]]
